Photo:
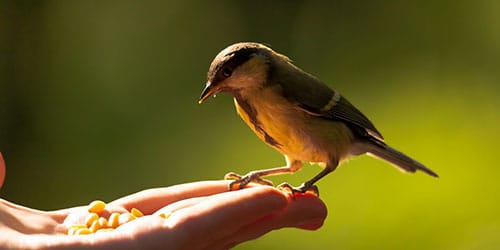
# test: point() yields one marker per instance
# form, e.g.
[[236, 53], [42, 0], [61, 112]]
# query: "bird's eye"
[[226, 72]]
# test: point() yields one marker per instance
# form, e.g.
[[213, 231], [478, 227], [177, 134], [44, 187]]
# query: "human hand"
[[202, 215]]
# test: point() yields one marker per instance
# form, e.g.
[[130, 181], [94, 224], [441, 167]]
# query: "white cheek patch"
[[250, 74]]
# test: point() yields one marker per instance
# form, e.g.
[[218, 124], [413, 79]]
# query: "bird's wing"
[[316, 98], [343, 110]]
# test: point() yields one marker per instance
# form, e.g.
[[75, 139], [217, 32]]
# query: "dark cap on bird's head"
[[225, 64]]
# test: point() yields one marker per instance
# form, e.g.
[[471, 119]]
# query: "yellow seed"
[[96, 206], [73, 228], [103, 222], [91, 218], [136, 212], [125, 217], [165, 215], [78, 226], [113, 220], [95, 226], [81, 231]]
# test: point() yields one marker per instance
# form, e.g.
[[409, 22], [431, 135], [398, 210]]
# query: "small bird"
[[296, 114]]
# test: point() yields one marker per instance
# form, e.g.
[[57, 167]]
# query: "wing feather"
[[316, 98]]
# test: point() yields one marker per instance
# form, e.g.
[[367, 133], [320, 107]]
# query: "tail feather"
[[397, 158]]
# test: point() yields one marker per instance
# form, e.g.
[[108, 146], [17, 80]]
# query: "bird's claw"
[[240, 181], [303, 188]]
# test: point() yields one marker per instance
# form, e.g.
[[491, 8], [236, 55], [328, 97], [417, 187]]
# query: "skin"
[[196, 210]]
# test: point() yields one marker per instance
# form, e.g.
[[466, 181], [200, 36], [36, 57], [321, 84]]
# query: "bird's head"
[[239, 67]]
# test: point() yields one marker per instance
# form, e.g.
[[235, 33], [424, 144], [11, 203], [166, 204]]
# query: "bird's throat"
[[249, 115]]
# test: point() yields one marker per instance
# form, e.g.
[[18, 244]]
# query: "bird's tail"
[[383, 151]]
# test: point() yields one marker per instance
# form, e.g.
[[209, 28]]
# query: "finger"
[[2, 170], [173, 207], [188, 202], [305, 211], [149, 201], [225, 213]]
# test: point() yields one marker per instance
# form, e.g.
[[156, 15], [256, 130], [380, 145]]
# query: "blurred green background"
[[98, 99]]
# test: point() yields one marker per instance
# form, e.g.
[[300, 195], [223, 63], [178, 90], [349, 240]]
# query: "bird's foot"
[[240, 181], [303, 188]]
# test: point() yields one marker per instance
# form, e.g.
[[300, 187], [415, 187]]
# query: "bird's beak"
[[208, 91]]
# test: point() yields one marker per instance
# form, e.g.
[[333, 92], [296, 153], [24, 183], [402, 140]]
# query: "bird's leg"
[[309, 185], [256, 176]]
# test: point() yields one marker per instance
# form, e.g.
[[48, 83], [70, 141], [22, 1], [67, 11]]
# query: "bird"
[[296, 114]]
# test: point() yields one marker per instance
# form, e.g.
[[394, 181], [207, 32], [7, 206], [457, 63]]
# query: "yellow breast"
[[267, 126], [292, 132]]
